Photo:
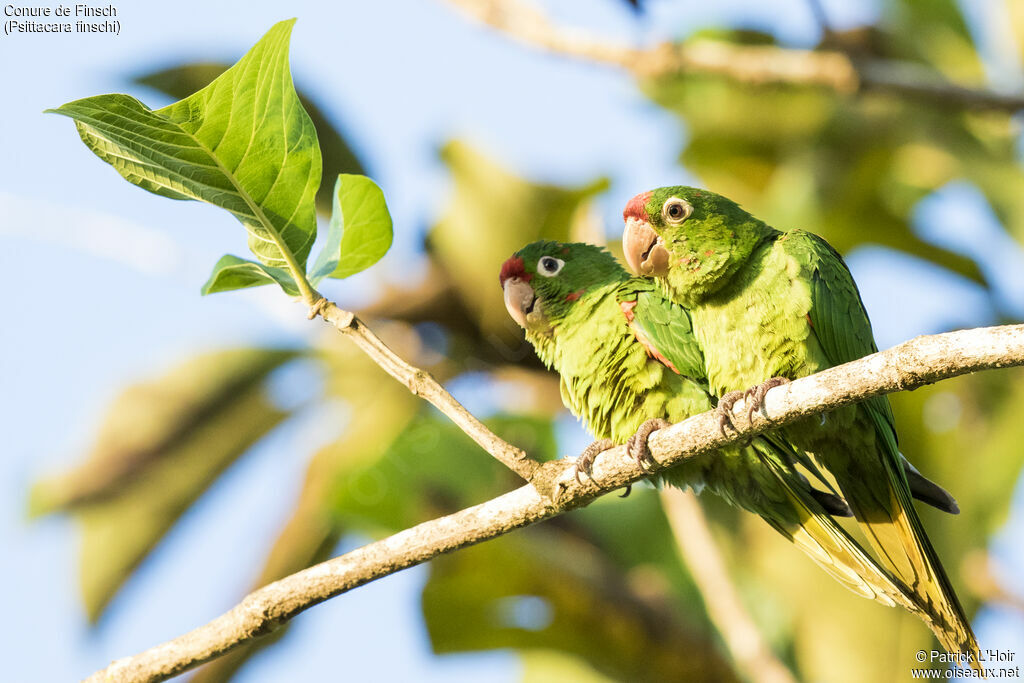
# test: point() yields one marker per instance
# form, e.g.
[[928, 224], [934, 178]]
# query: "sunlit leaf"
[[338, 157], [231, 272], [360, 232], [243, 143]]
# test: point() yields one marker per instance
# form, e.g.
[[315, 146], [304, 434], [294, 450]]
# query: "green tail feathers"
[[909, 573], [800, 517], [875, 486]]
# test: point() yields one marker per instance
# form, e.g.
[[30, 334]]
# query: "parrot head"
[[689, 236], [545, 279]]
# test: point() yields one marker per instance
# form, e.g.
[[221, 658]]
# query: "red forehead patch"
[[513, 267], [636, 207]]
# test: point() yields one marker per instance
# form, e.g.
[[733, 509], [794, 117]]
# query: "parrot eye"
[[549, 266], [676, 210]]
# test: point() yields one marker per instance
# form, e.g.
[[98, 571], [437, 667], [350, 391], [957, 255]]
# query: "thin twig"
[[554, 489], [748, 64], [421, 383], [753, 657]]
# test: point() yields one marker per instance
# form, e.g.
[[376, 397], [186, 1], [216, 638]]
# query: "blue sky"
[[104, 278]]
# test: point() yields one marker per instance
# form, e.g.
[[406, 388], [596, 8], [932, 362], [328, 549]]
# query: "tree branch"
[[699, 552], [554, 489], [748, 64], [421, 383]]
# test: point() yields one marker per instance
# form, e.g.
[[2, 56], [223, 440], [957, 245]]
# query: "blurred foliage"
[[162, 444], [598, 594], [490, 215]]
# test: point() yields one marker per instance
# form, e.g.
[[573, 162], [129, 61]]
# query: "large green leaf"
[[338, 157], [360, 232], [243, 143]]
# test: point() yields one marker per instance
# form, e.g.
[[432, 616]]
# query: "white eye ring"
[[549, 266], [676, 210]]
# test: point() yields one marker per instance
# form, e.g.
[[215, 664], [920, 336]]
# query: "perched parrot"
[[770, 306], [628, 362]]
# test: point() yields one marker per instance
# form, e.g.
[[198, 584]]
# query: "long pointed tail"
[[801, 518], [876, 489]]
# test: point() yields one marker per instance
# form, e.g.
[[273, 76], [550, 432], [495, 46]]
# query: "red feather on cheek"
[[514, 267]]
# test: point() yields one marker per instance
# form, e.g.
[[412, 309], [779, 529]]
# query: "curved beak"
[[519, 299], [644, 250]]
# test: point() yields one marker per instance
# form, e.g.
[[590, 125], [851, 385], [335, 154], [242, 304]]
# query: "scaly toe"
[[724, 410], [585, 462], [637, 444]]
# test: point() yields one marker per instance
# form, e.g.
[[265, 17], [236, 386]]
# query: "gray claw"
[[724, 410], [586, 460], [637, 444], [756, 395]]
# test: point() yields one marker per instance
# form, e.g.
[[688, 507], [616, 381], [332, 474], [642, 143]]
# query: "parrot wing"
[[876, 486]]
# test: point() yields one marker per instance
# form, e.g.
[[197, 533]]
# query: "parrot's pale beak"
[[644, 250], [520, 300]]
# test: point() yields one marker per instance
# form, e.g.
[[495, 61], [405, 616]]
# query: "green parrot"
[[770, 306], [629, 362]]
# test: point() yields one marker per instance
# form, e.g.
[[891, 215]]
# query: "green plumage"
[[772, 304], [627, 354]]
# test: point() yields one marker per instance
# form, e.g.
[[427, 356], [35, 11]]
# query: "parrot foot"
[[724, 410], [637, 444], [586, 460], [754, 396]]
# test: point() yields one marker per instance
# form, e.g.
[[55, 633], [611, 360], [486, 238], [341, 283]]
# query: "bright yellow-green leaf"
[[360, 232], [243, 143]]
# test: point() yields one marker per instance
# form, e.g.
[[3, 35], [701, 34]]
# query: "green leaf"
[[360, 232], [180, 81], [243, 143], [232, 272]]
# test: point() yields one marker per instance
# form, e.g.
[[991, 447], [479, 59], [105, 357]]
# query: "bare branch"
[[748, 64], [421, 383], [554, 489], [752, 655]]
